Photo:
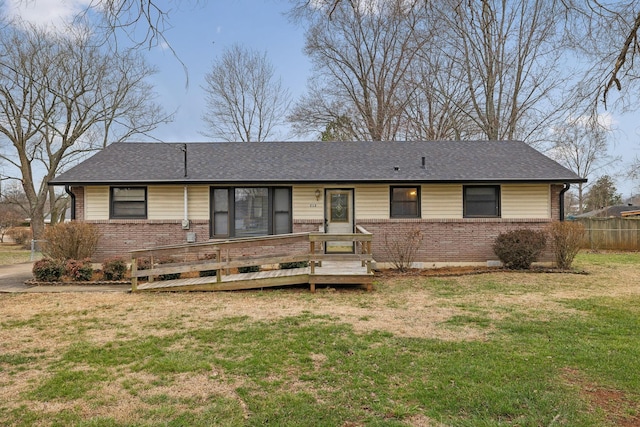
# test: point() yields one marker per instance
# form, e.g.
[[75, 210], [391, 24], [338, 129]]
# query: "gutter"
[[67, 190], [566, 188]]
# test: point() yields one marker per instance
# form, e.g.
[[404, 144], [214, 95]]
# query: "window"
[[250, 211], [339, 207], [128, 203], [220, 211], [482, 201], [405, 202]]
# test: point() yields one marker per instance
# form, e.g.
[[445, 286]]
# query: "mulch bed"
[[33, 282], [467, 271]]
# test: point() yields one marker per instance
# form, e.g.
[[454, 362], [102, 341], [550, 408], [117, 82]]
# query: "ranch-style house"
[[459, 194]]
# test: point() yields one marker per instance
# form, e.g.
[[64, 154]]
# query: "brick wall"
[[78, 192], [452, 241], [446, 241], [118, 237]]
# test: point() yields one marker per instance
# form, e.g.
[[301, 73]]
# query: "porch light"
[[318, 194]]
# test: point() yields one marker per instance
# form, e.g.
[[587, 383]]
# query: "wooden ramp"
[[331, 272], [227, 258]]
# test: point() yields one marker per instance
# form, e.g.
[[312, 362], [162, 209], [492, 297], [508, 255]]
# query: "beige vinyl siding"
[[198, 202], [372, 201], [96, 203], [305, 206], [441, 201], [165, 202], [526, 201]]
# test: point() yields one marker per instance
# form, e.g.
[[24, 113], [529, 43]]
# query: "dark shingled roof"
[[316, 162]]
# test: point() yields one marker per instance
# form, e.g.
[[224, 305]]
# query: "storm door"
[[338, 218]]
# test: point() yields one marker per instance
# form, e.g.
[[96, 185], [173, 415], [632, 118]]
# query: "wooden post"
[[312, 251], [150, 277], [134, 271], [218, 271], [312, 287]]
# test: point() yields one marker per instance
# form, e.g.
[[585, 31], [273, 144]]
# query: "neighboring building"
[[616, 211], [460, 194]]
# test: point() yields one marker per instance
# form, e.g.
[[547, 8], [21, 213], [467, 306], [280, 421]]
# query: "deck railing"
[[224, 256]]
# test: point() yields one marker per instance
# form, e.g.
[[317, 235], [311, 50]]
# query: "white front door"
[[338, 218]]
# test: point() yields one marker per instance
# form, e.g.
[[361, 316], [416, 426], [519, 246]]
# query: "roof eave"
[[322, 181]]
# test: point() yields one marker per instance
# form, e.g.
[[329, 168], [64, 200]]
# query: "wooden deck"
[[331, 273], [227, 257]]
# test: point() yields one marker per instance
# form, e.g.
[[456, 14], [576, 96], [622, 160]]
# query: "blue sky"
[[200, 33], [201, 30]]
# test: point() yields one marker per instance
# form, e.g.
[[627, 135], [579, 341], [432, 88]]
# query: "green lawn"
[[499, 349]]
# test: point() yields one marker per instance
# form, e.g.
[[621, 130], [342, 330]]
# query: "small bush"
[[71, 240], [401, 248], [249, 269], [518, 249], [144, 264], [78, 270], [21, 236], [567, 238], [208, 273], [48, 270], [114, 269], [295, 264]]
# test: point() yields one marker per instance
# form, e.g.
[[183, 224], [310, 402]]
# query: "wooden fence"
[[612, 233]]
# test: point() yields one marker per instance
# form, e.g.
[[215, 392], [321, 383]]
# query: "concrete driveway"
[[12, 278]]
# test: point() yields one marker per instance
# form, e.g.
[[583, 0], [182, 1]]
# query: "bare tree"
[[142, 22], [362, 57], [320, 110], [61, 98], [509, 55], [611, 27], [244, 99], [606, 35], [437, 106], [581, 145]]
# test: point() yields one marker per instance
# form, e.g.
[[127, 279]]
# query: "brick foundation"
[[457, 241], [443, 241]]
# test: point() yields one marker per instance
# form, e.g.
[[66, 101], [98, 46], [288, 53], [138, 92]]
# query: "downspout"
[[185, 221], [67, 190], [566, 188]]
